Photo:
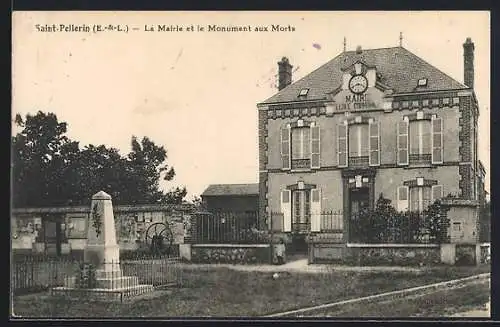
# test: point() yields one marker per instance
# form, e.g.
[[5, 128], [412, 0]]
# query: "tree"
[[40, 154], [50, 169]]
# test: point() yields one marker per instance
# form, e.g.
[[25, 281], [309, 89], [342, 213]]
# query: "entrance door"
[[359, 201], [301, 211]]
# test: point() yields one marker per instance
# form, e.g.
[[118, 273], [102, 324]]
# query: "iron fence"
[[331, 221], [38, 273], [225, 227], [362, 227]]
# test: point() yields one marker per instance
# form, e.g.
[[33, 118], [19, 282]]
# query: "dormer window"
[[303, 92], [422, 82]]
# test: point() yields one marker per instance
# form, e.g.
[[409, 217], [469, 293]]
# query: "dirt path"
[[301, 265]]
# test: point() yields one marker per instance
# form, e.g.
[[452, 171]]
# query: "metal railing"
[[225, 227], [332, 221], [38, 273]]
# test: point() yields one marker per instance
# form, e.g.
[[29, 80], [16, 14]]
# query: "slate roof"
[[231, 189], [399, 68]]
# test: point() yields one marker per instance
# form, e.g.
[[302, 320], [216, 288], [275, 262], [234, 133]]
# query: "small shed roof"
[[231, 189]]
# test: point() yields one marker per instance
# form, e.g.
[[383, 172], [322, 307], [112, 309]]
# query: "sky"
[[195, 92]]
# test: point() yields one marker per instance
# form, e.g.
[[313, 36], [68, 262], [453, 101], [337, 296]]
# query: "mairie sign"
[[347, 101]]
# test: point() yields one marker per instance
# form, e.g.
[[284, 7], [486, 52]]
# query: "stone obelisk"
[[101, 249]]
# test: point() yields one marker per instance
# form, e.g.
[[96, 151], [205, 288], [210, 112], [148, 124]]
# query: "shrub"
[[384, 224]]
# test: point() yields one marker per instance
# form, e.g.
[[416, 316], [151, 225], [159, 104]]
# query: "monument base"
[[107, 283], [102, 294]]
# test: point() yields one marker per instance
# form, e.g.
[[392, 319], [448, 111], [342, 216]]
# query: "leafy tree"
[[50, 169]]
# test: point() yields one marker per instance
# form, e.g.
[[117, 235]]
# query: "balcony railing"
[[301, 227], [417, 159], [361, 161], [301, 163]]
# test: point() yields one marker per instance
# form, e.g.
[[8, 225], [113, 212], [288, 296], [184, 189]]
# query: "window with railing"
[[358, 143], [300, 146], [420, 139]]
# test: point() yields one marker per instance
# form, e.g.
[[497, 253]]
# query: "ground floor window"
[[420, 198], [417, 198]]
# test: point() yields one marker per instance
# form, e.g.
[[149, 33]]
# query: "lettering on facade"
[[353, 102]]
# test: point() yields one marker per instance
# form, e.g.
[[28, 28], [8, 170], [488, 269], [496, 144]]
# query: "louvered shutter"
[[285, 148], [403, 142], [437, 192], [342, 146], [374, 142], [315, 210], [437, 140], [315, 146], [403, 196], [286, 209]]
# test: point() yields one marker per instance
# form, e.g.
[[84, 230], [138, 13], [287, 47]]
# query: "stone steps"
[[107, 283]]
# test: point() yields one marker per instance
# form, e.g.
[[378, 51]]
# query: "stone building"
[[369, 122], [231, 197]]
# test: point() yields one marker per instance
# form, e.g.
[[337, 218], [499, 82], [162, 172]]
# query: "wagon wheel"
[[159, 238]]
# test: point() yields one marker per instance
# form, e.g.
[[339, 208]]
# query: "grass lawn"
[[441, 304], [213, 292]]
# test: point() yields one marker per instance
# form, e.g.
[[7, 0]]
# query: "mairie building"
[[370, 122]]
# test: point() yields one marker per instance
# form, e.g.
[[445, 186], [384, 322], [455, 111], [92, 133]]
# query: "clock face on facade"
[[358, 84]]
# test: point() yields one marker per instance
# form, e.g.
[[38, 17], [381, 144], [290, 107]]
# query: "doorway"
[[359, 203], [53, 234]]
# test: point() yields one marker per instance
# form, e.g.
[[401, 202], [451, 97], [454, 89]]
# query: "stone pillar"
[[448, 253], [101, 249]]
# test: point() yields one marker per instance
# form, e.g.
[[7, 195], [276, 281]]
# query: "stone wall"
[[231, 253], [374, 254], [399, 255], [131, 224]]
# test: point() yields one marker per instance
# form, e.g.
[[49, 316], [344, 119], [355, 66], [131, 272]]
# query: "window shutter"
[[437, 140], [403, 142], [403, 197], [315, 210], [342, 145], [437, 192], [374, 142], [285, 147], [315, 146], [286, 209]]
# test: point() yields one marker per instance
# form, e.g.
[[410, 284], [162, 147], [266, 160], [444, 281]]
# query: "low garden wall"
[[393, 254], [331, 250], [230, 253]]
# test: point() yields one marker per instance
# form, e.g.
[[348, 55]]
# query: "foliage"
[[49, 169], [96, 219], [437, 222], [384, 224]]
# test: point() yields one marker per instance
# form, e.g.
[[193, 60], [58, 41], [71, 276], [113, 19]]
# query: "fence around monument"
[[30, 274]]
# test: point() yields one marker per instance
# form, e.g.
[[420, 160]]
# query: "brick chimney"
[[284, 73], [469, 63]]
